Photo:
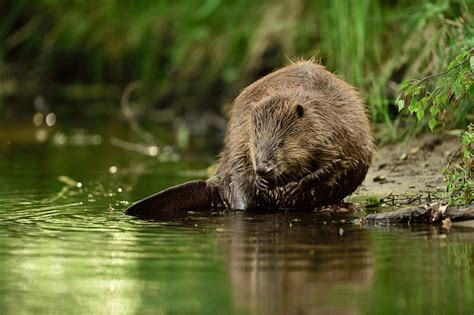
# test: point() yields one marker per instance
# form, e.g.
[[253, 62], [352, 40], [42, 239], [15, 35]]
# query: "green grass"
[[199, 54]]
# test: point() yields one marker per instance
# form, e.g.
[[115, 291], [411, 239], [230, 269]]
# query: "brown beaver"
[[297, 138]]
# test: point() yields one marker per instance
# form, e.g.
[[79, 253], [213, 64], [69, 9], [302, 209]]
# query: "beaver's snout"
[[265, 176], [264, 171]]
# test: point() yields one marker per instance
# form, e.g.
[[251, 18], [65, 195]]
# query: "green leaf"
[[437, 100], [424, 102], [404, 85], [400, 104], [413, 105], [420, 114], [417, 105], [461, 56], [443, 100], [458, 90], [432, 123], [452, 64], [467, 153], [471, 62], [434, 110]]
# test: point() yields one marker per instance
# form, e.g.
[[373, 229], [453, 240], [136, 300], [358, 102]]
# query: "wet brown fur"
[[310, 128]]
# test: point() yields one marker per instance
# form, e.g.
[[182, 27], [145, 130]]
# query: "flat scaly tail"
[[191, 196]]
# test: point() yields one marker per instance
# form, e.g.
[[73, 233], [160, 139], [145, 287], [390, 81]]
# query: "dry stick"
[[390, 199], [421, 214], [130, 146], [128, 113]]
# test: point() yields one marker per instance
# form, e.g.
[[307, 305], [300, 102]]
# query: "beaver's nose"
[[264, 171]]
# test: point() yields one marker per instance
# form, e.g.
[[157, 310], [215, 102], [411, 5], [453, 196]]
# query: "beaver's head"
[[280, 139]]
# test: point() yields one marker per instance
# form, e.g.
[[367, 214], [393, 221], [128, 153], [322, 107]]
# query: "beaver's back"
[[343, 133]]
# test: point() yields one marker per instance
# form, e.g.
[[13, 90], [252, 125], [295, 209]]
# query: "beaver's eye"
[[299, 110], [280, 144]]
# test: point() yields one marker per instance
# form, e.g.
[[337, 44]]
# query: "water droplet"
[[39, 102], [51, 119], [96, 139], [153, 150], [41, 135], [38, 119], [59, 139]]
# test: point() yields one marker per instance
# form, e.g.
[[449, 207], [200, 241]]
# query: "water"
[[66, 247]]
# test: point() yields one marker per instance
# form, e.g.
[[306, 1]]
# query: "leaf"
[[404, 85], [437, 100], [451, 65], [400, 104], [443, 100], [414, 106], [432, 123], [466, 153], [471, 62], [462, 55], [420, 114], [424, 102], [434, 110], [458, 90]]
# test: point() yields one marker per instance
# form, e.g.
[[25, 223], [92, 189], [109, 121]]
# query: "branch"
[[443, 73], [128, 113], [423, 214]]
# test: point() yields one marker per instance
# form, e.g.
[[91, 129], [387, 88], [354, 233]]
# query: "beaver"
[[297, 138]]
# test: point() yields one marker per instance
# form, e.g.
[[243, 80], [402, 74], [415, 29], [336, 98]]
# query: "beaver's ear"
[[299, 110]]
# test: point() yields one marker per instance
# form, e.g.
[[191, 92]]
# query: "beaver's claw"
[[262, 184]]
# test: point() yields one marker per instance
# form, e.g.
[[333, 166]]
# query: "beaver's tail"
[[196, 195]]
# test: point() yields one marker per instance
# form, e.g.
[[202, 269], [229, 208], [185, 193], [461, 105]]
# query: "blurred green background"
[[86, 85], [193, 57]]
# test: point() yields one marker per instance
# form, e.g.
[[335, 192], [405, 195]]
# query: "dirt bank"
[[409, 169]]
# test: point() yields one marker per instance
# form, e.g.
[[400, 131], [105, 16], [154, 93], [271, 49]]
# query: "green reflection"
[[417, 274], [67, 248]]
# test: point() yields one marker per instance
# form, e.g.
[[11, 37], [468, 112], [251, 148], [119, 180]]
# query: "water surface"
[[66, 247]]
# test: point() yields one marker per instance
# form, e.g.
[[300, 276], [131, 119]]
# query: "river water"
[[67, 248]]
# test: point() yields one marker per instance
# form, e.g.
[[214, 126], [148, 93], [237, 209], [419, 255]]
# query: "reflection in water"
[[281, 264], [64, 250], [57, 263]]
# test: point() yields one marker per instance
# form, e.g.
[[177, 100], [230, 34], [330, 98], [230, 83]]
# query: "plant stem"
[[445, 72]]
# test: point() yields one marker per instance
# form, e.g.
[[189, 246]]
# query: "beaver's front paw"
[[262, 184], [291, 193], [291, 189]]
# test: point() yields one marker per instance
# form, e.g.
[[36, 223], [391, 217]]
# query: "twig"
[[128, 113], [422, 214], [442, 73], [145, 149]]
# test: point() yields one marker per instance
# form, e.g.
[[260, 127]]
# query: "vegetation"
[[197, 55], [459, 177], [453, 90], [191, 56]]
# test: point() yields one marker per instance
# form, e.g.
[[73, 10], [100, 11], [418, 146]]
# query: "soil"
[[408, 171]]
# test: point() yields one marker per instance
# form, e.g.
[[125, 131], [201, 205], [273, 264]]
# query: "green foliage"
[[372, 202], [199, 54], [205, 51], [459, 177], [453, 86]]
